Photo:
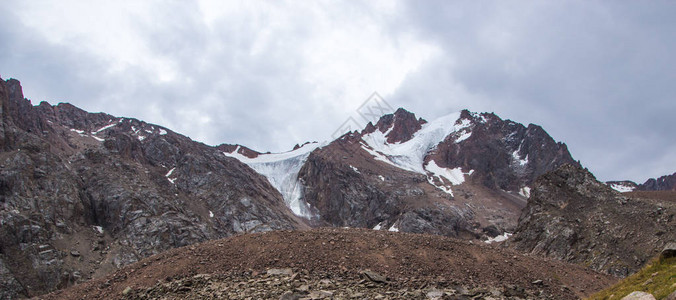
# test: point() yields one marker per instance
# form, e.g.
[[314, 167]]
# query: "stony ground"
[[341, 264]]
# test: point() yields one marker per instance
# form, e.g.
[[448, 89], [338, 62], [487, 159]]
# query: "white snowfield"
[[525, 191], [410, 155], [281, 170], [499, 238], [622, 188]]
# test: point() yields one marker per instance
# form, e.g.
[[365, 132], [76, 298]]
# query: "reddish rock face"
[[402, 125], [504, 154]]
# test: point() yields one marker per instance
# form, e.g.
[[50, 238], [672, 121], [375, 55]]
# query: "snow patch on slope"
[[442, 187], [622, 188], [517, 157], [525, 191], [410, 155], [281, 170], [455, 175], [168, 175], [499, 238], [463, 137], [104, 128]]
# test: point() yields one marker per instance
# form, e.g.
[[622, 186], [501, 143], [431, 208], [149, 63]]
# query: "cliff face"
[[664, 183], [462, 175], [573, 217], [504, 154], [85, 193], [347, 187]]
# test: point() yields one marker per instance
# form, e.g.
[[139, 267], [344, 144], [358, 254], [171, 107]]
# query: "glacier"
[[281, 170]]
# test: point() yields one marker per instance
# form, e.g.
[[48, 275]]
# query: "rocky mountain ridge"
[[463, 175], [84, 193], [572, 217], [663, 183]]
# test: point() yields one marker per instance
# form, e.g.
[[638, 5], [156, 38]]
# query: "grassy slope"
[[657, 278]]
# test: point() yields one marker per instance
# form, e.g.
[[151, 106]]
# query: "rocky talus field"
[[342, 264]]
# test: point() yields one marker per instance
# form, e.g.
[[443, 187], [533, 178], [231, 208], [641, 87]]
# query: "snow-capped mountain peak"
[[410, 154]]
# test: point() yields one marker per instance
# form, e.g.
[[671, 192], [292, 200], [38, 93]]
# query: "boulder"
[[639, 296], [669, 251]]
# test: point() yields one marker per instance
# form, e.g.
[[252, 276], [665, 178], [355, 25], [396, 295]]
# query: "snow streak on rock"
[[410, 155]]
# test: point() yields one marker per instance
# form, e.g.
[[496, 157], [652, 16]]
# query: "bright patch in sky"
[[270, 74]]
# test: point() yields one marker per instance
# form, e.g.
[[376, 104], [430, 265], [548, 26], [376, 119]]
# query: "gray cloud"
[[596, 75]]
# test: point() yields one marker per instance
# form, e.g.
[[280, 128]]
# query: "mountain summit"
[[397, 127]]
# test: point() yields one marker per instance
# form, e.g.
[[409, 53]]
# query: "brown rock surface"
[[332, 261]]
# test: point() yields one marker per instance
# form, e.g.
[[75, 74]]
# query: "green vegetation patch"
[[657, 278]]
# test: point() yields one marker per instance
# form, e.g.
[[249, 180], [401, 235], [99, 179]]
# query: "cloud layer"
[[596, 75]]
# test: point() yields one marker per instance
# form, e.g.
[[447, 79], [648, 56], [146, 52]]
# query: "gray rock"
[[610, 238], [669, 251], [374, 276], [320, 294], [639, 296], [277, 272], [671, 296], [289, 295], [435, 294], [126, 291]]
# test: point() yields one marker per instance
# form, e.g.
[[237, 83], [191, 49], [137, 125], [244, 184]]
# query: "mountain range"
[[663, 183], [86, 193]]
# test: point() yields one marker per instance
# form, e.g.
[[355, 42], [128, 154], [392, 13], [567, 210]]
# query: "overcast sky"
[[597, 75]]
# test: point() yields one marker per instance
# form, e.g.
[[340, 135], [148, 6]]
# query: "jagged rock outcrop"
[[664, 183], [83, 193], [397, 131], [347, 187], [573, 217], [503, 154]]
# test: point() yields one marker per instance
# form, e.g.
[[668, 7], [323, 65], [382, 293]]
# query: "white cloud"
[[269, 74]]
